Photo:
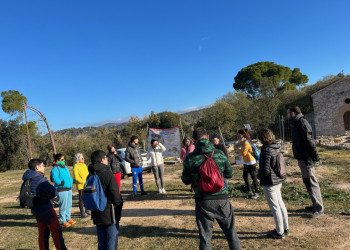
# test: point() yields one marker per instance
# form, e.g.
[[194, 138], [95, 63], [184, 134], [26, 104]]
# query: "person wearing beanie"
[[133, 156]]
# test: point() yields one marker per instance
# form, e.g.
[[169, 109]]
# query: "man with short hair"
[[133, 156], [106, 221], [210, 206], [43, 210], [304, 150]]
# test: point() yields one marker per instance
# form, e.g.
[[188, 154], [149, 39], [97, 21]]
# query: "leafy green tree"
[[13, 154], [267, 77], [221, 114], [169, 119], [153, 120], [12, 102]]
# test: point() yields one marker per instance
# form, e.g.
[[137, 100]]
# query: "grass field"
[[166, 221]]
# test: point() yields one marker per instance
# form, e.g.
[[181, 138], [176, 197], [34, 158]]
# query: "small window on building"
[[347, 100]]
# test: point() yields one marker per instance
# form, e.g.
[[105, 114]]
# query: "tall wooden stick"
[[28, 136]]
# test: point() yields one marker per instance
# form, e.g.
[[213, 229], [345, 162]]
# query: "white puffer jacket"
[[156, 155]]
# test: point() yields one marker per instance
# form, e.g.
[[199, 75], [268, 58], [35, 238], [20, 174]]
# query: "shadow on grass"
[[153, 195], [16, 220], [155, 212], [265, 213], [137, 231]]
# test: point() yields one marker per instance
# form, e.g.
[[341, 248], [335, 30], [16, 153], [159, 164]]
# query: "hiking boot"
[[255, 196], [309, 209], [250, 193], [71, 221], [316, 215], [144, 193], [275, 235], [286, 232], [66, 224]]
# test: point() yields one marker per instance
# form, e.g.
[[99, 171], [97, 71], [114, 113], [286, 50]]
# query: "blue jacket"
[[59, 174], [42, 190]]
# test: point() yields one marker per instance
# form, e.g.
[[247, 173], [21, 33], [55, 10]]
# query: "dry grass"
[[167, 221]]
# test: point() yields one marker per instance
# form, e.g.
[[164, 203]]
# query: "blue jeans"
[[107, 236], [65, 205], [137, 172]]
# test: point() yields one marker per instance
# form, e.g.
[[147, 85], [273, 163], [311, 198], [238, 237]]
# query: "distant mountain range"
[[190, 117]]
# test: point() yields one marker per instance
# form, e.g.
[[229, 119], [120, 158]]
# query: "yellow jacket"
[[80, 172], [246, 152]]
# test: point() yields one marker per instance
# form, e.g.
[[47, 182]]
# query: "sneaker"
[[66, 224], [250, 193], [134, 196], [275, 235], [255, 196], [88, 212], [316, 215], [160, 191], [286, 232], [309, 209], [84, 215], [71, 221], [144, 193], [163, 190]]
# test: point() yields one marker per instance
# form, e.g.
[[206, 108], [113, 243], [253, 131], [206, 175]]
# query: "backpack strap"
[[210, 156], [251, 153]]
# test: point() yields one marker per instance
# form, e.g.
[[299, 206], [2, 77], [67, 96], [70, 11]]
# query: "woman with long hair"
[[187, 147], [249, 166]]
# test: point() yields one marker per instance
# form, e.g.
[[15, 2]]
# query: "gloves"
[[62, 183]]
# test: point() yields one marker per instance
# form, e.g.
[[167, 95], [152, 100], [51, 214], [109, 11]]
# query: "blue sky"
[[85, 62]]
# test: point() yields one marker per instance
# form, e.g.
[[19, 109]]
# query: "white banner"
[[169, 137]]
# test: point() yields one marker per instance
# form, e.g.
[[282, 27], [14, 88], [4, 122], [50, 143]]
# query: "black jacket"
[[133, 155], [114, 162], [267, 162], [304, 147], [113, 210], [221, 147]]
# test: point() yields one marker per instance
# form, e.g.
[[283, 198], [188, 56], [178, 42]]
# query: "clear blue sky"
[[83, 62]]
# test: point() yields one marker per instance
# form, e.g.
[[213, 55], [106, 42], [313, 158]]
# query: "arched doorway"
[[346, 117]]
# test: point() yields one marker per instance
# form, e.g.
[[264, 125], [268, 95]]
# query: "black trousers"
[[250, 169]]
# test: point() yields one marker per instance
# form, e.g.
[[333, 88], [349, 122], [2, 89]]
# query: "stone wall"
[[329, 108]]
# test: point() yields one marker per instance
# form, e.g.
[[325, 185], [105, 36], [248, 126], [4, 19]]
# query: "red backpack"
[[210, 180]]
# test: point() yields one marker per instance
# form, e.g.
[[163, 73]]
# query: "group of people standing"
[[209, 206], [215, 206]]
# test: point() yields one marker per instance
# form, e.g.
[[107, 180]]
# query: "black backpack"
[[25, 195]]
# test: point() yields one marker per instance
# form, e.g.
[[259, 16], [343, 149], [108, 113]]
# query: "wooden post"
[[47, 125], [28, 136], [182, 132], [223, 141]]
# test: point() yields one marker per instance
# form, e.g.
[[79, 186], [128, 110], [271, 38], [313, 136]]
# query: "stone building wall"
[[329, 108]]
